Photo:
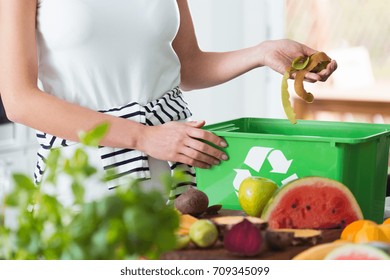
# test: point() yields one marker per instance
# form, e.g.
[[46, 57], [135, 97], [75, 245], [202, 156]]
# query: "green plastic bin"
[[355, 154]]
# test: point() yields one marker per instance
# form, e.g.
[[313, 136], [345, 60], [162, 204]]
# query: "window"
[[354, 33]]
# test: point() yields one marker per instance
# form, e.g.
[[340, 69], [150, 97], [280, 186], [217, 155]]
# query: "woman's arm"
[[26, 104], [205, 69]]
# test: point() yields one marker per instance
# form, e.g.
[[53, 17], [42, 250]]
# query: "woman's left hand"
[[279, 54]]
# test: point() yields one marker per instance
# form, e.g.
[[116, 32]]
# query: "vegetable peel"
[[301, 66]]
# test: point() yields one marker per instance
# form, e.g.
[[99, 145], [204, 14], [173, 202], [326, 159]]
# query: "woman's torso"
[[102, 54]]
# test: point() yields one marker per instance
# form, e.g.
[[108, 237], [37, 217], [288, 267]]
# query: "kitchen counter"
[[217, 252]]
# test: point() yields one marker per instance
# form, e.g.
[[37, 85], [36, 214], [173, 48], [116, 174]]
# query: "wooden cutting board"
[[217, 252]]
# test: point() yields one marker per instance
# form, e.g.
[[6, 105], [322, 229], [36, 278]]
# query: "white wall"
[[223, 25]]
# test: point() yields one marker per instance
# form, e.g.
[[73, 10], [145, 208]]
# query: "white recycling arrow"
[[240, 176], [256, 157], [289, 179], [279, 162]]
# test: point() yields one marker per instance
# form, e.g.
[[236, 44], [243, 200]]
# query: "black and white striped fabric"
[[129, 164]]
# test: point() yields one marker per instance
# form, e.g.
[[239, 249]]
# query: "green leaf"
[[73, 252], [51, 209], [94, 136], [78, 192], [52, 164], [24, 182], [23, 193]]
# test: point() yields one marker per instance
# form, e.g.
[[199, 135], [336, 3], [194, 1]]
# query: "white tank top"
[[103, 54]]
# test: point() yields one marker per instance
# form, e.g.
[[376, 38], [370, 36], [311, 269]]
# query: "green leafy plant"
[[127, 223]]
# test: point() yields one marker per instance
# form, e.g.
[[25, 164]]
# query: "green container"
[[355, 154]]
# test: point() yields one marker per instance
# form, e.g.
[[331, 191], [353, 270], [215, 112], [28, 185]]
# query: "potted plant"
[[129, 223]]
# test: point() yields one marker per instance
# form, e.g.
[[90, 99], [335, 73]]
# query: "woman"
[[121, 62]]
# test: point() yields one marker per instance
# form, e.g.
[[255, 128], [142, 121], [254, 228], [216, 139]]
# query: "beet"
[[243, 239], [193, 202]]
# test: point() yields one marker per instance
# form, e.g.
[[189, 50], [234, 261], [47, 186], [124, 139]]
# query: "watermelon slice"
[[357, 252], [312, 202]]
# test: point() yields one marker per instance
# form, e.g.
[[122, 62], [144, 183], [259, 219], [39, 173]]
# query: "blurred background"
[[223, 25], [354, 32]]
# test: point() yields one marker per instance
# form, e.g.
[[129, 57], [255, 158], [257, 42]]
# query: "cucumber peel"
[[301, 66]]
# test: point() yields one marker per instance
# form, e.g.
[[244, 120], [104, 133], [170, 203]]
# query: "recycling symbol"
[[255, 160]]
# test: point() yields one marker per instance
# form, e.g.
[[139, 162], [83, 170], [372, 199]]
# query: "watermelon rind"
[[313, 181], [383, 246], [357, 252]]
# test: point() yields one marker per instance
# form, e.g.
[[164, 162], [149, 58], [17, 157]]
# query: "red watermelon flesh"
[[356, 256], [312, 202]]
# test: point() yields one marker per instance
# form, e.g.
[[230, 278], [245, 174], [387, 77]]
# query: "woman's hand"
[[182, 142], [279, 54]]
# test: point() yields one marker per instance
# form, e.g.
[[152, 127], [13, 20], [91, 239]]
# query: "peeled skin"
[[288, 109], [301, 66]]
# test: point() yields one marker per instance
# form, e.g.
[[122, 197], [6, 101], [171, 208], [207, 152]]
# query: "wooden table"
[[363, 104], [217, 252]]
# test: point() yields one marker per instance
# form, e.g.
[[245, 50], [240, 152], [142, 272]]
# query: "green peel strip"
[[301, 65], [288, 109]]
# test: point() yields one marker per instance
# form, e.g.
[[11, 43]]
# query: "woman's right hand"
[[182, 142], [279, 54]]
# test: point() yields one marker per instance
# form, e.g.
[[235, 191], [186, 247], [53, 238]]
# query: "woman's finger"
[[197, 124], [206, 149], [199, 156], [207, 136], [192, 162]]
